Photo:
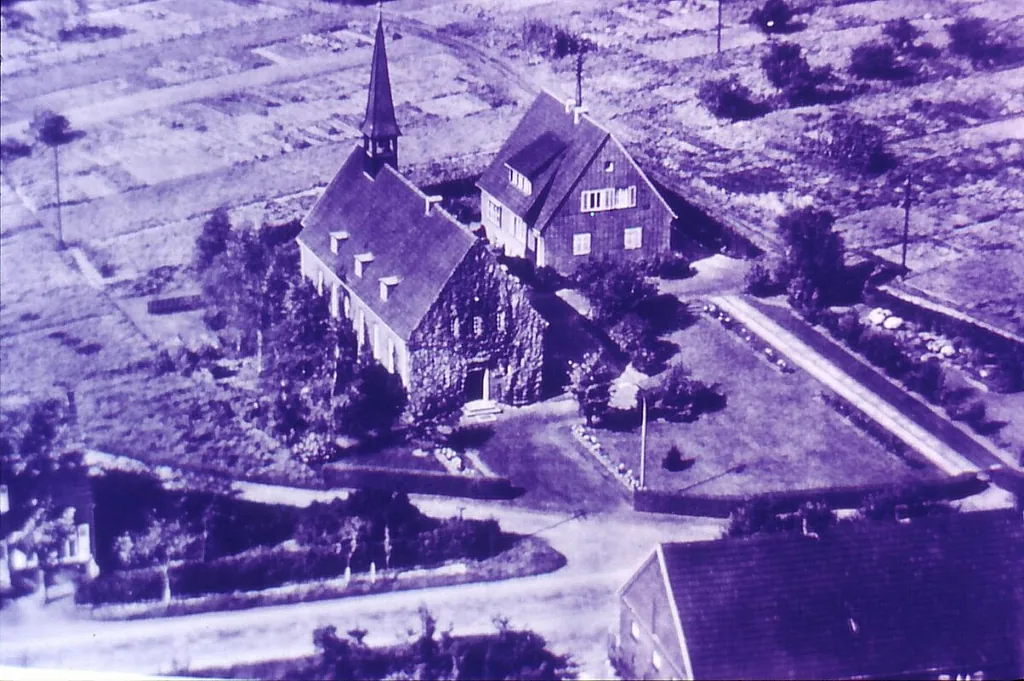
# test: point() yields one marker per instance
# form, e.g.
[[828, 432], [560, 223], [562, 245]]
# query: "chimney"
[[430, 202], [569, 104], [577, 114]]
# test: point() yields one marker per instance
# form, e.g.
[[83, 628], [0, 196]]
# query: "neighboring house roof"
[[387, 217], [379, 120], [866, 599], [553, 151]]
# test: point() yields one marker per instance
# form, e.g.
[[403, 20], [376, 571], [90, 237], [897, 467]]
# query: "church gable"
[[482, 321]]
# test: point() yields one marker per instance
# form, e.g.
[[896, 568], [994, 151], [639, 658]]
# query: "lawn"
[[533, 447], [874, 380], [776, 424]]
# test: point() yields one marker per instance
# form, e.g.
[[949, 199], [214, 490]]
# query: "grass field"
[[774, 423]]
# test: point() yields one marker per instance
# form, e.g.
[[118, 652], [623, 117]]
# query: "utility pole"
[[643, 441], [579, 75], [56, 179], [718, 47], [906, 223]]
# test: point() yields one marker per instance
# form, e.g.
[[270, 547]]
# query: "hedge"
[[419, 482], [174, 304], [852, 497]]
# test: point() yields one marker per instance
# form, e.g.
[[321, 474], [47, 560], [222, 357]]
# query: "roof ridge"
[[423, 195]]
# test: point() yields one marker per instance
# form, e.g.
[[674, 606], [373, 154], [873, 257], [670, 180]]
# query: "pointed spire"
[[379, 121]]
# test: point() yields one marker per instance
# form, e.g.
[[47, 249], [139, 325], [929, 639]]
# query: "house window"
[[633, 238], [518, 228], [320, 282], [348, 307], [581, 244], [375, 342], [335, 295], [455, 327], [634, 631], [656, 660], [478, 326], [609, 166], [390, 364], [501, 321], [336, 239], [596, 200], [625, 197], [520, 181], [493, 212], [5, 499]]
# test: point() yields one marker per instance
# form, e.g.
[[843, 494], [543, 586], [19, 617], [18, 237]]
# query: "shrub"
[[547, 278], [878, 61], [674, 461], [121, 587], [787, 69], [672, 266], [927, 379], [883, 350], [970, 37], [728, 98], [772, 17], [760, 280], [613, 288], [11, 149], [856, 145], [680, 397], [968, 407], [88, 33]]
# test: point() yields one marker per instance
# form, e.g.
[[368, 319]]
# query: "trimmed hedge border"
[[418, 482], [526, 557], [174, 304], [852, 497]]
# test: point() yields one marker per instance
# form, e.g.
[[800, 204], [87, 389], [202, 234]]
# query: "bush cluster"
[[888, 352], [788, 69], [728, 98], [971, 37]]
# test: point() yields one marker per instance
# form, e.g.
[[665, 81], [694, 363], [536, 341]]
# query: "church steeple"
[[379, 127]]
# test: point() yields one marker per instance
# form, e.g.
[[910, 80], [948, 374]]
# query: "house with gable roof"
[[563, 189], [425, 295], [936, 598]]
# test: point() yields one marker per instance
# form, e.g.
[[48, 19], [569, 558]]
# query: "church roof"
[[552, 150], [386, 217], [380, 108], [867, 599]]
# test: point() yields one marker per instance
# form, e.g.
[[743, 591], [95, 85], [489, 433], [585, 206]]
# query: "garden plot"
[[763, 426]]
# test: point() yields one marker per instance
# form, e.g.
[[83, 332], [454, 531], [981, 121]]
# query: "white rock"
[[892, 323], [877, 316], [947, 351]]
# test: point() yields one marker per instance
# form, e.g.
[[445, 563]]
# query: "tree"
[[813, 257], [590, 383], [613, 288], [902, 34], [54, 131], [163, 542], [728, 98], [680, 397], [787, 69], [879, 61], [773, 17], [213, 240], [374, 401]]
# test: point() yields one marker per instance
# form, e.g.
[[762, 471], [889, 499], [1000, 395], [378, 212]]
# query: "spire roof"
[[380, 109]]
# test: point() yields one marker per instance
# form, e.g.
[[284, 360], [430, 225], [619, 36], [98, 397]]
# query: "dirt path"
[[914, 434]]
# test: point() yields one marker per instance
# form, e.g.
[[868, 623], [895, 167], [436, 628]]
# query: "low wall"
[[419, 482], [652, 501]]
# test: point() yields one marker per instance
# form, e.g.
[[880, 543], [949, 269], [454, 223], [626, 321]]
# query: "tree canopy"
[[814, 258], [590, 383]]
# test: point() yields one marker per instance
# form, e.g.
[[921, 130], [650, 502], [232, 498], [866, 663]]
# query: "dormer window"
[[336, 239], [609, 167], [362, 262], [520, 181], [387, 284]]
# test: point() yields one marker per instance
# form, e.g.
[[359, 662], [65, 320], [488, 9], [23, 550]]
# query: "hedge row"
[[418, 482], [956, 487], [174, 304]]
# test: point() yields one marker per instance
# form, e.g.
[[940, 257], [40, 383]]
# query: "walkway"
[[920, 434]]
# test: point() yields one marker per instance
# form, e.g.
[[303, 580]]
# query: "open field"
[[776, 424]]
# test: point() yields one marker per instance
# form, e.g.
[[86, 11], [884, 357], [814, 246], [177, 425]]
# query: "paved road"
[[893, 420]]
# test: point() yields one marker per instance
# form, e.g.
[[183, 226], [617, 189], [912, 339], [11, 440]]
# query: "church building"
[[425, 294]]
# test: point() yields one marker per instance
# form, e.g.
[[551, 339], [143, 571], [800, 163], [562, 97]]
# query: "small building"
[[23, 504], [563, 189], [425, 294], [936, 598]]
